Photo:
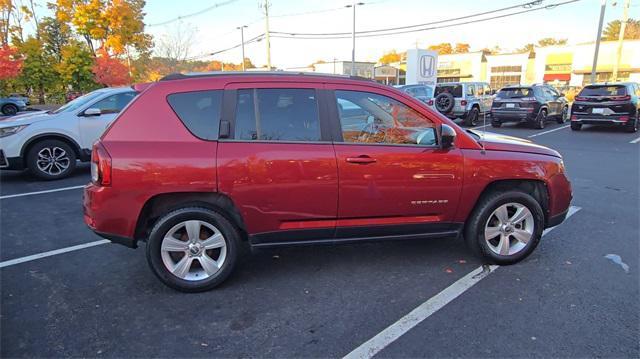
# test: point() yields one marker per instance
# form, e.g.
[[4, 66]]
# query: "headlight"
[[8, 131]]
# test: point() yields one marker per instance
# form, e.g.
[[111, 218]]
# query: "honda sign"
[[422, 67]]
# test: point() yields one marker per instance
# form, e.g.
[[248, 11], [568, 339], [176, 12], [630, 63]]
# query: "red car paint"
[[280, 187]]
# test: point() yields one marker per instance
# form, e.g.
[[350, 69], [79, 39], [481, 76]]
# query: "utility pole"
[[595, 54], [267, 37], [241, 28], [623, 25], [353, 37]]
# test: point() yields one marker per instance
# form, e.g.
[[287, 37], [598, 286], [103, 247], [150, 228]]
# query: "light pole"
[[595, 54], [241, 28], [267, 35], [353, 37], [623, 25]]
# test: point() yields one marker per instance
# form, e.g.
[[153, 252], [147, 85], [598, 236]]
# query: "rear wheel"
[[496, 123], [576, 126], [193, 249], [632, 126], [472, 117], [505, 227], [541, 119], [564, 115], [51, 160], [9, 109]]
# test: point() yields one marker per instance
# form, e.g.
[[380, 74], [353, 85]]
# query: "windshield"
[[514, 92], [611, 90], [79, 102], [455, 90]]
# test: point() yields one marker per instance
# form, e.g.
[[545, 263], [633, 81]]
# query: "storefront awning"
[[559, 77]]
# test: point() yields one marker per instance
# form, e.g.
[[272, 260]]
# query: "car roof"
[[257, 74], [626, 83]]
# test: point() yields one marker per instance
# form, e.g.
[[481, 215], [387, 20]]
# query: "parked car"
[[261, 159], [423, 93], [466, 100], [49, 143], [10, 106], [535, 105], [614, 104], [21, 97]]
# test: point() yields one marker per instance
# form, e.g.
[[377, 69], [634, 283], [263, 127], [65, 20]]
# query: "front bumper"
[[10, 163]]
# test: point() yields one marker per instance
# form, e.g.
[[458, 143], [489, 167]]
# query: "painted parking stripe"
[[478, 127], [390, 334], [635, 141], [545, 132], [40, 192], [52, 253]]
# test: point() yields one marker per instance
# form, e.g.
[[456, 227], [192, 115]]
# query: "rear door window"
[[605, 90], [277, 115], [199, 111]]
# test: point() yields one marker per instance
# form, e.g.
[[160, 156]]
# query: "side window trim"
[[229, 112], [336, 125]]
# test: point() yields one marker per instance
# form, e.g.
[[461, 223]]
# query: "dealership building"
[[560, 66]]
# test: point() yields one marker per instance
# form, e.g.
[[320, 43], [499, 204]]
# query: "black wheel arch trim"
[[81, 154]]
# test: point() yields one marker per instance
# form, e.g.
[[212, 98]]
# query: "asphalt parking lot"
[[566, 300]]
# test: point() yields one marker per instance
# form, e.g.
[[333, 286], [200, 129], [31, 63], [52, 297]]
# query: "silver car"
[[466, 100]]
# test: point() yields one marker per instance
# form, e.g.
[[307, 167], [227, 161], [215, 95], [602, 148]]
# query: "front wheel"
[[51, 160], [193, 249], [505, 227], [9, 110]]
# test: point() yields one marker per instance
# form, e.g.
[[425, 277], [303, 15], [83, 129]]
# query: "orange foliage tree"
[[110, 71], [10, 63]]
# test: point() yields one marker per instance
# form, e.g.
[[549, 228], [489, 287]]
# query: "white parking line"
[[635, 141], [40, 192], [478, 127], [545, 132], [52, 253], [390, 334]]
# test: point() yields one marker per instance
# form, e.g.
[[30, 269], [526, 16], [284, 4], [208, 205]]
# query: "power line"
[[289, 35], [526, 5], [252, 40], [182, 17]]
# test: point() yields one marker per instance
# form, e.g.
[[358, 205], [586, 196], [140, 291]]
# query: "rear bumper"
[[601, 120], [104, 218], [557, 219], [512, 116]]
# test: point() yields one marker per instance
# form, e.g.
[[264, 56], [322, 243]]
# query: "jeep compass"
[[203, 166]]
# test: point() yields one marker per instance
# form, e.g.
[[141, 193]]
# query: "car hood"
[[497, 142], [27, 118]]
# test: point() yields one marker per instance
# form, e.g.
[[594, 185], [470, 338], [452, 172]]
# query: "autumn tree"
[[54, 36], [175, 45], [461, 48], [10, 63], [442, 48], [390, 57], [631, 31], [6, 9], [37, 73], [550, 41], [110, 71], [76, 67]]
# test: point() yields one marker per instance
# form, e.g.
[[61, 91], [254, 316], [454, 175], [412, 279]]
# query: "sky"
[[216, 29]]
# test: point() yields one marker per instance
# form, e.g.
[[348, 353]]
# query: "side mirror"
[[92, 112], [447, 136]]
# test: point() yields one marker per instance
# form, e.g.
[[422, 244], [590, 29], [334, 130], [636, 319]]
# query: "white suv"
[[49, 143]]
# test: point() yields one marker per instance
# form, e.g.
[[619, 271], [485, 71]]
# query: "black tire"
[[56, 171], [472, 117], [232, 239], [576, 126], [541, 119], [564, 115], [444, 102], [632, 126], [496, 123], [9, 109], [474, 229]]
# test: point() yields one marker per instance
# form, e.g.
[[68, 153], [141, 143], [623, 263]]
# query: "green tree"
[[76, 66], [631, 31], [38, 74], [54, 36]]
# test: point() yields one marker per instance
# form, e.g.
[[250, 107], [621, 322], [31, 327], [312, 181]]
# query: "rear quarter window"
[[199, 111]]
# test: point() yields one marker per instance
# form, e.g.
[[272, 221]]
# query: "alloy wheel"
[[53, 160], [193, 250], [509, 228]]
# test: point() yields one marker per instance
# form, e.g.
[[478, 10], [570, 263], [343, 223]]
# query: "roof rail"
[[189, 75]]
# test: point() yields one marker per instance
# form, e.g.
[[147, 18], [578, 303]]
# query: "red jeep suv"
[[200, 166]]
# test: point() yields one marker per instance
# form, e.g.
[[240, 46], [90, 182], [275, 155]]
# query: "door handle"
[[364, 159]]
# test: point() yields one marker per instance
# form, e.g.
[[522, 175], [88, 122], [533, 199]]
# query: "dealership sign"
[[422, 67]]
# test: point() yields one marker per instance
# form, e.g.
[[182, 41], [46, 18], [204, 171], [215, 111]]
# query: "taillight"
[[430, 102], [621, 98], [574, 118], [100, 165], [624, 118], [463, 103], [580, 98]]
